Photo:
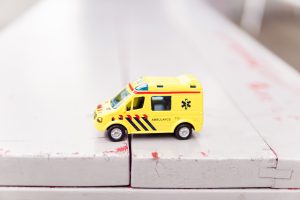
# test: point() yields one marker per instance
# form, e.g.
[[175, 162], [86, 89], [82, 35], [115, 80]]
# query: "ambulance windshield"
[[117, 101]]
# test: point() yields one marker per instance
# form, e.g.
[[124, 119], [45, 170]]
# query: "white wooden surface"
[[262, 86], [53, 73], [54, 69], [227, 153], [145, 194]]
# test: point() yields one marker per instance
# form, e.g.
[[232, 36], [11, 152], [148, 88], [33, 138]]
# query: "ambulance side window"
[[128, 106], [138, 102], [160, 103]]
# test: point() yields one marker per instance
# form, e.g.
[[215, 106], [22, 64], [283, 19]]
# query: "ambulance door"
[[135, 113], [161, 113]]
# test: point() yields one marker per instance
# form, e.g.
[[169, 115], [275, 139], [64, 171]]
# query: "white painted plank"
[[265, 88], [12, 193], [227, 153], [54, 63]]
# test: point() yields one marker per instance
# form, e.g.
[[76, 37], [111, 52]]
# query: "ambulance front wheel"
[[183, 131], [116, 133]]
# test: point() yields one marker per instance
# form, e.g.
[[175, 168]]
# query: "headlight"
[[99, 119]]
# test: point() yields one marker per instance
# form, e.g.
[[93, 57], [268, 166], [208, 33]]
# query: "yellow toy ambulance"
[[152, 105]]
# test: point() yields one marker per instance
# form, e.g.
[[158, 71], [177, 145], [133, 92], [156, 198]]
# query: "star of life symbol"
[[186, 104]]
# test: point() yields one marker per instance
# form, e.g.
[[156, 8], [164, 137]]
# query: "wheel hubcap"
[[116, 133], [184, 132]]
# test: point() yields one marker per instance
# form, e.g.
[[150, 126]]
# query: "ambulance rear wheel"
[[116, 133], [183, 132]]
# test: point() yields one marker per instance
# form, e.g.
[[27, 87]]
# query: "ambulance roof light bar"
[[142, 87]]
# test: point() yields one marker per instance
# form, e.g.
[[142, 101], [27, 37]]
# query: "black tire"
[[183, 128], [116, 136]]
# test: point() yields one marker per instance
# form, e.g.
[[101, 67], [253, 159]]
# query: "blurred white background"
[[274, 23]]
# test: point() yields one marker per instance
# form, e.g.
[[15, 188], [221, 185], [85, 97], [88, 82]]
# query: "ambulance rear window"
[[160, 103]]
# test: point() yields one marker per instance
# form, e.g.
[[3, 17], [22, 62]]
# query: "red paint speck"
[[259, 85], [204, 154], [155, 155], [261, 90], [245, 55], [294, 117], [122, 149], [279, 119], [118, 150]]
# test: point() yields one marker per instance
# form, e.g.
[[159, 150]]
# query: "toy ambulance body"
[[153, 105]]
